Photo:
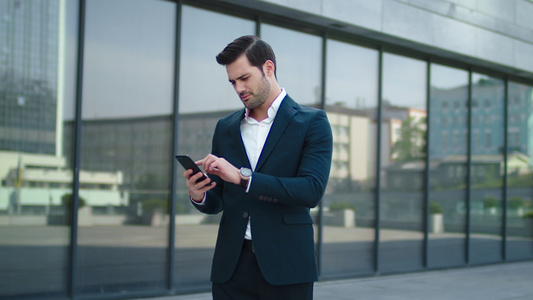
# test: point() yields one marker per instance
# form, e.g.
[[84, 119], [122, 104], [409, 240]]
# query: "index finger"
[[187, 173], [204, 160]]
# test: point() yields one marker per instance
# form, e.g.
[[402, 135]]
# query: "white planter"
[[436, 223], [347, 216], [515, 212], [492, 211], [85, 216], [159, 218], [340, 218]]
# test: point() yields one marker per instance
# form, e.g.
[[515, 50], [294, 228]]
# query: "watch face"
[[246, 172]]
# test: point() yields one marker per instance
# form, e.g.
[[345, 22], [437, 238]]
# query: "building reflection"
[[127, 159]]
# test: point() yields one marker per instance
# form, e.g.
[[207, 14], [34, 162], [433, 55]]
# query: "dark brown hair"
[[257, 51]]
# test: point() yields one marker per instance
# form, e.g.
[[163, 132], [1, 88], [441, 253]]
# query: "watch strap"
[[244, 182], [244, 179]]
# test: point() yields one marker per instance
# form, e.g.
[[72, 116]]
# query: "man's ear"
[[269, 68]]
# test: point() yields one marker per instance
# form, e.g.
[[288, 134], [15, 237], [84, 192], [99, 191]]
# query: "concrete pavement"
[[110, 256], [508, 281]]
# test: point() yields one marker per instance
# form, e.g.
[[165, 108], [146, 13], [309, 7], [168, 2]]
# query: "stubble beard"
[[261, 95]]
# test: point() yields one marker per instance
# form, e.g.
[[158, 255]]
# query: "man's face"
[[249, 82]]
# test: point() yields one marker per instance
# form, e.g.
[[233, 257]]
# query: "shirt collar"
[[272, 110]]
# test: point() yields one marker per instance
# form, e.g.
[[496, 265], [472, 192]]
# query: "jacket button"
[[245, 215]]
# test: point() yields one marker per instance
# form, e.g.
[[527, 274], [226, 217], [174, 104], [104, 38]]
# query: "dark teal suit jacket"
[[289, 179]]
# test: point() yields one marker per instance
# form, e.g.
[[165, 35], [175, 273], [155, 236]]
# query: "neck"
[[260, 113]]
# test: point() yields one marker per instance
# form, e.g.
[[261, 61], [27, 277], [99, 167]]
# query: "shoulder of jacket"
[[235, 116], [300, 107]]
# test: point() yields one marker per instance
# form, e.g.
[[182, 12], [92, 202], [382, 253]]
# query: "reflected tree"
[[67, 200], [411, 143]]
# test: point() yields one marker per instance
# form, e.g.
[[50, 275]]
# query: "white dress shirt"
[[254, 135]]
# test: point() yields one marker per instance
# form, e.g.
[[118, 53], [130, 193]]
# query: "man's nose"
[[239, 87]]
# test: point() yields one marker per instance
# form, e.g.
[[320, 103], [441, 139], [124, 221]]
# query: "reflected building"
[[36, 184], [351, 130], [449, 136], [139, 147], [450, 119], [30, 72], [449, 131], [34, 172], [142, 150], [403, 141]]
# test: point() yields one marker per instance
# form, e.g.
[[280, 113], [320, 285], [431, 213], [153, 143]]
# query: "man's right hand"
[[197, 190]]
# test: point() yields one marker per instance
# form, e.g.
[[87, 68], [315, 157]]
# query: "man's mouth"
[[245, 97]]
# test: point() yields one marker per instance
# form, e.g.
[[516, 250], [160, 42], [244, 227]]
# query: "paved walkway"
[[509, 281]]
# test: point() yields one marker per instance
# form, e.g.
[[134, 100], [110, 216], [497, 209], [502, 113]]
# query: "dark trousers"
[[247, 283]]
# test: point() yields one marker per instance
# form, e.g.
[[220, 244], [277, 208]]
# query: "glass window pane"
[[486, 198], [448, 177], [198, 66], [299, 56], [204, 35], [403, 130], [126, 146], [349, 203], [37, 73], [519, 172]]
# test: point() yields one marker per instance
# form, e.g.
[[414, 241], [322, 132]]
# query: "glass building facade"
[[432, 164]]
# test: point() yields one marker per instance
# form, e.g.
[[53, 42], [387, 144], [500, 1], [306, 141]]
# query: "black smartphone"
[[188, 163]]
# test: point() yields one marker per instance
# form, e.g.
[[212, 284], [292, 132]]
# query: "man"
[[269, 165]]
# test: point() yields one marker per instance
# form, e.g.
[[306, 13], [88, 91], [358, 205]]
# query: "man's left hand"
[[220, 167]]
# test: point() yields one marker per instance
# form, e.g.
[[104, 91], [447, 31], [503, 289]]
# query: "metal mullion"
[[77, 153], [377, 205], [258, 22], [173, 188], [469, 171], [426, 175], [505, 166]]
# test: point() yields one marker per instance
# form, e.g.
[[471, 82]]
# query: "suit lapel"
[[286, 111], [235, 133]]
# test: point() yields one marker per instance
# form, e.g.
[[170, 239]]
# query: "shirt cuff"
[[198, 203], [249, 185]]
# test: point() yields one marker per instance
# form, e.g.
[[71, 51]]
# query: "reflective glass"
[[403, 142], [126, 146], [448, 176], [349, 203], [487, 169], [205, 96], [519, 171], [298, 57], [37, 76]]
